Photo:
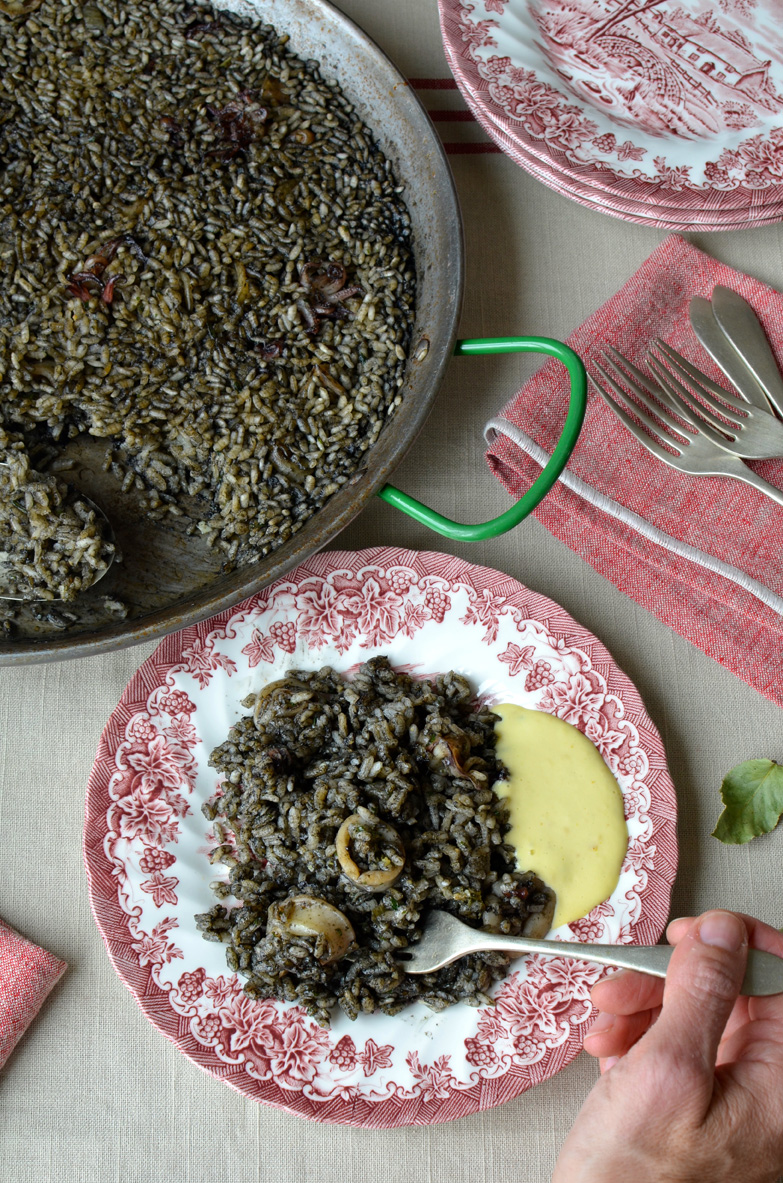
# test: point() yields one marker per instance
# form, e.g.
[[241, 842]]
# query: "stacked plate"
[[665, 114]]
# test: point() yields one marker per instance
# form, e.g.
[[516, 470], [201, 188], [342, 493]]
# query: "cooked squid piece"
[[365, 839], [308, 916]]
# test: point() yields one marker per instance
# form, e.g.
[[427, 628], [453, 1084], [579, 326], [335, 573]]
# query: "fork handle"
[[648, 959], [752, 478], [763, 975]]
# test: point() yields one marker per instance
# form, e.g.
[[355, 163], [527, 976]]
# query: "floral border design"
[[551, 124], [145, 779]]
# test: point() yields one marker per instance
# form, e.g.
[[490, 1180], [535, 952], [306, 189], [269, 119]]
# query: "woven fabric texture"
[[27, 975], [722, 517]]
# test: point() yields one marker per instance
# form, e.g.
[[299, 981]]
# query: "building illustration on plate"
[[661, 67], [713, 54]]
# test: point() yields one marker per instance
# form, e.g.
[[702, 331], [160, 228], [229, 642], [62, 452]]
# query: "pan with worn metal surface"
[[172, 579]]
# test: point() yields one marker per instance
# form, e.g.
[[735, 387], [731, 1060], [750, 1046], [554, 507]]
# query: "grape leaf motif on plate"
[[153, 779], [644, 77]]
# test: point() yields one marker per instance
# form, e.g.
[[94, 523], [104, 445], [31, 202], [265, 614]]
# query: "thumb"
[[702, 985]]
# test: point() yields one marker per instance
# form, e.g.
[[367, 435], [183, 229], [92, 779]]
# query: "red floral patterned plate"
[[146, 840], [674, 105], [588, 192]]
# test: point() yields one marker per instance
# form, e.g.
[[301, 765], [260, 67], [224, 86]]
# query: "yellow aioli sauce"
[[565, 808]]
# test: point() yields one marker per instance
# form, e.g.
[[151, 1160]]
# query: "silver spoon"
[[445, 939], [31, 597]]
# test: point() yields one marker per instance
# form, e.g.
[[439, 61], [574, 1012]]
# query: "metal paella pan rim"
[[402, 128]]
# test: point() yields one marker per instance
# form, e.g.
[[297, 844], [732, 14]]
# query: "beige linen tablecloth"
[[93, 1094]]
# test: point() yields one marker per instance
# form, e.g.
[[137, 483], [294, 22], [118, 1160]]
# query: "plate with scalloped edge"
[[578, 184], [146, 839], [675, 105]]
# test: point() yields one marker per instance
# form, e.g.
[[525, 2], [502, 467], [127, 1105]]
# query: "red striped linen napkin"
[[704, 554], [27, 974]]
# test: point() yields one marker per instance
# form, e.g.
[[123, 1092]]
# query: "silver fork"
[[445, 939], [691, 451], [727, 420]]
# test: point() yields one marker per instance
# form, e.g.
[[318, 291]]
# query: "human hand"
[[691, 1087]]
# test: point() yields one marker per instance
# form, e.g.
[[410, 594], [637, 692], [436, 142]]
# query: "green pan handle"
[[463, 532]]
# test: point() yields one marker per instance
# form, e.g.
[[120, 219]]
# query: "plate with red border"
[[146, 840], [676, 106], [581, 186]]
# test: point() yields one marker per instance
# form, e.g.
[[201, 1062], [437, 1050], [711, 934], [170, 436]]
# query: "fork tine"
[[711, 428], [613, 356], [644, 439], [649, 404], [709, 388]]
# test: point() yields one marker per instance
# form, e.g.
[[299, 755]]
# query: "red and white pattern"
[[27, 974], [459, 130], [724, 617], [146, 842], [658, 112]]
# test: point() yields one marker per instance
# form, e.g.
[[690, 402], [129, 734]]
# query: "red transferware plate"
[[675, 106], [582, 187], [146, 839]]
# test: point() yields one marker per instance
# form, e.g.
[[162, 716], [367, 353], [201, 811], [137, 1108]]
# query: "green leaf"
[[753, 797]]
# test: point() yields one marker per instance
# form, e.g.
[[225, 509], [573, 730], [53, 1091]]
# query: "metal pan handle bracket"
[[463, 532]]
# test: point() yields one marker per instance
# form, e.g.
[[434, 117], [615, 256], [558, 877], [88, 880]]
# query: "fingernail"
[[722, 929], [602, 1024], [608, 1063]]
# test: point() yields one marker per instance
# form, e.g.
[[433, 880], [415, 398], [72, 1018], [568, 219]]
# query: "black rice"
[[205, 261], [374, 796], [53, 541]]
